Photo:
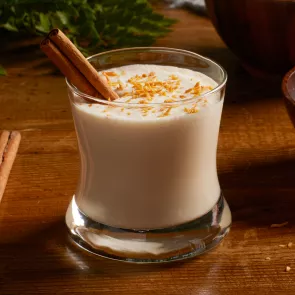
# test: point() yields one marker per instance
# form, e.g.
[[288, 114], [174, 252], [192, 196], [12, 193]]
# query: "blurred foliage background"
[[93, 25]]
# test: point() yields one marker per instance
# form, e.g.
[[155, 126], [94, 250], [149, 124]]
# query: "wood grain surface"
[[256, 160]]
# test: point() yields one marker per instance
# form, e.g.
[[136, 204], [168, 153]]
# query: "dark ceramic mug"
[[260, 32]]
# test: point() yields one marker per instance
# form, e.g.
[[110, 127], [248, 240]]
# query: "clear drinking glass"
[[148, 189]]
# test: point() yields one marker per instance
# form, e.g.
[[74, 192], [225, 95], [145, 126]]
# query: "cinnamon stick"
[[3, 143], [65, 45], [67, 68], [9, 143]]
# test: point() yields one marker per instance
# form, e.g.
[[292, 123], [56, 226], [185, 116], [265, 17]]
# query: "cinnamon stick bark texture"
[[3, 142], [65, 45], [9, 143], [67, 68]]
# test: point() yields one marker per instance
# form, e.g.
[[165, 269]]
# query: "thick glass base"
[[150, 246]]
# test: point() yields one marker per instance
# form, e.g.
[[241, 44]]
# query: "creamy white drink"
[[149, 159]]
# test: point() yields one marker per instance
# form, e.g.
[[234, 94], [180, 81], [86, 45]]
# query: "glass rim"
[[88, 97]]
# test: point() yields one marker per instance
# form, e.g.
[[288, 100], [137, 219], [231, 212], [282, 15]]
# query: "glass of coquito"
[[148, 189]]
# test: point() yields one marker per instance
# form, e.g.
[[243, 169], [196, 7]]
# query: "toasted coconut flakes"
[[146, 87], [111, 74], [121, 86], [173, 77], [192, 110], [106, 76], [166, 112]]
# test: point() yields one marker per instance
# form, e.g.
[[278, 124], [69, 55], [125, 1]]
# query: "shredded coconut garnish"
[[166, 112], [192, 110], [111, 74], [148, 88]]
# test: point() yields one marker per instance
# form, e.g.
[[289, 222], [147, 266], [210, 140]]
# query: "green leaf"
[[2, 71], [44, 23], [93, 25]]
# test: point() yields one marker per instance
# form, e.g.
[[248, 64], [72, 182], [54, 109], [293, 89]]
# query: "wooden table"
[[256, 160]]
